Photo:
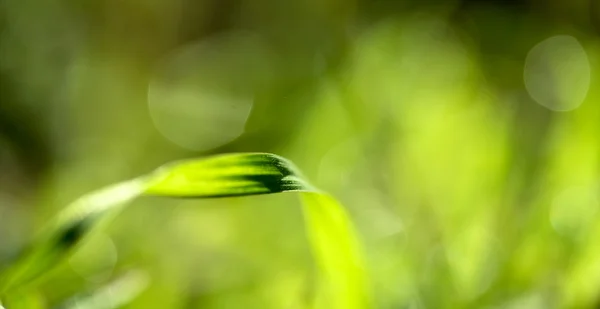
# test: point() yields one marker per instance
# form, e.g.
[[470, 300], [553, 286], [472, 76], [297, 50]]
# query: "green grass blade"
[[62, 236], [330, 231], [227, 175], [337, 252]]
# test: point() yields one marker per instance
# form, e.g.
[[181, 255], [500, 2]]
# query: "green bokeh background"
[[466, 191]]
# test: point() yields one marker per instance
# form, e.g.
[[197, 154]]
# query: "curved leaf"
[[227, 175], [333, 239], [67, 230], [337, 251]]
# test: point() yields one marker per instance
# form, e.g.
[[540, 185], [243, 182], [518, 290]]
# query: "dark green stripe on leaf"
[[228, 175]]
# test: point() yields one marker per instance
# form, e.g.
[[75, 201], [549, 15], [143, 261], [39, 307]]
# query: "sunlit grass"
[[331, 233]]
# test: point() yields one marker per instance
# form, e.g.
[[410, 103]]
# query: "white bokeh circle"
[[557, 73], [202, 95]]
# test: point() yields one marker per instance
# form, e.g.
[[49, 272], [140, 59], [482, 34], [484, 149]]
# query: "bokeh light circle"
[[96, 259], [557, 73], [201, 96]]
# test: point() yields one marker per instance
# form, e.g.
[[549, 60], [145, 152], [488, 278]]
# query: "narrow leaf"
[[333, 239], [337, 251], [67, 230], [227, 175]]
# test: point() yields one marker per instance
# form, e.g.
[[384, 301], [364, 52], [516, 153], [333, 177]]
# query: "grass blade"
[[227, 175], [337, 251], [67, 230], [334, 242]]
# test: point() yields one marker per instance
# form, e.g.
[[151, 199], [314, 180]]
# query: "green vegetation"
[[333, 239], [460, 136]]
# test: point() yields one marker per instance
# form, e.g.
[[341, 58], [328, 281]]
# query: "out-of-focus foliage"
[[461, 135]]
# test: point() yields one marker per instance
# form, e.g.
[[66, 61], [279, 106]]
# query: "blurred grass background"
[[460, 134]]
